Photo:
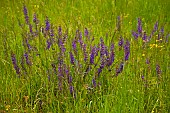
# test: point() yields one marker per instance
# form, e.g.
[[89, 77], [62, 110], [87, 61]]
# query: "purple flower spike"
[[86, 32], [47, 23], [74, 46], [102, 51], [14, 61], [144, 37], [92, 55], [127, 50], [139, 26], [120, 69], [135, 35], [30, 26], [121, 41], [27, 59], [155, 27], [48, 44], [26, 14], [59, 31], [112, 54], [52, 33], [35, 20], [72, 58]]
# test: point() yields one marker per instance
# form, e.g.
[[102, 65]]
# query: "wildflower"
[[155, 27], [139, 26], [127, 50], [143, 54], [86, 33], [144, 37], [59, 31], [52, 32], [111, 57], [71, 58], [47, 23], [30, 27], [121, 41], [14, 61], [142, 77], [74, 46], [102, 51], [27, 59], [135, 35], [26, 14], [35, 20], [120, 69], [48, 44], [92, 55]]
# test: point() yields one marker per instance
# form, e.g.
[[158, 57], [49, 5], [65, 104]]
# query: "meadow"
[[91, 56]]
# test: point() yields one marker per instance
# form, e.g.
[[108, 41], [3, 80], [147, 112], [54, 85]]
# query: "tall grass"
[[85, 56]]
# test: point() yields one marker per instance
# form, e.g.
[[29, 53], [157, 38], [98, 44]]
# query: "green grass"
[[31, 91]]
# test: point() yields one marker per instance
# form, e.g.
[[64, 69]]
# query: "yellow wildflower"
[[7, 107]]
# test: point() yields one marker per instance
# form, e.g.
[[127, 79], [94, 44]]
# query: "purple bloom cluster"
[[139, 27], [127, 50], [14, 61], [26, 14]]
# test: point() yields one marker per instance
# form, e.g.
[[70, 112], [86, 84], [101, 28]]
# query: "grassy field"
[[75, 56]]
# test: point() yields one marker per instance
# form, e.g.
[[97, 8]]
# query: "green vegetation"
[[72, 56]]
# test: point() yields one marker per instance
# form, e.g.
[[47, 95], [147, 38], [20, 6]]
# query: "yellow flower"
[[7, 107], [143, 54]]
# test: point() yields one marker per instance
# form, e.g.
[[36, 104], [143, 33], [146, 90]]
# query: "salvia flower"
[[26, 14], [74, 46], [92, 55], [48, 44], [72, 60], [52, 32], [155, 27], [47, 23], [121, 41], [135, 34], [120, 69], [139, 26], [27, 59], [35, 20], [127, 50], [14, 61], [59, 31], [102, 48], [144, 37], [112, 54], [86, 33], [28, 45], [30, 27]]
